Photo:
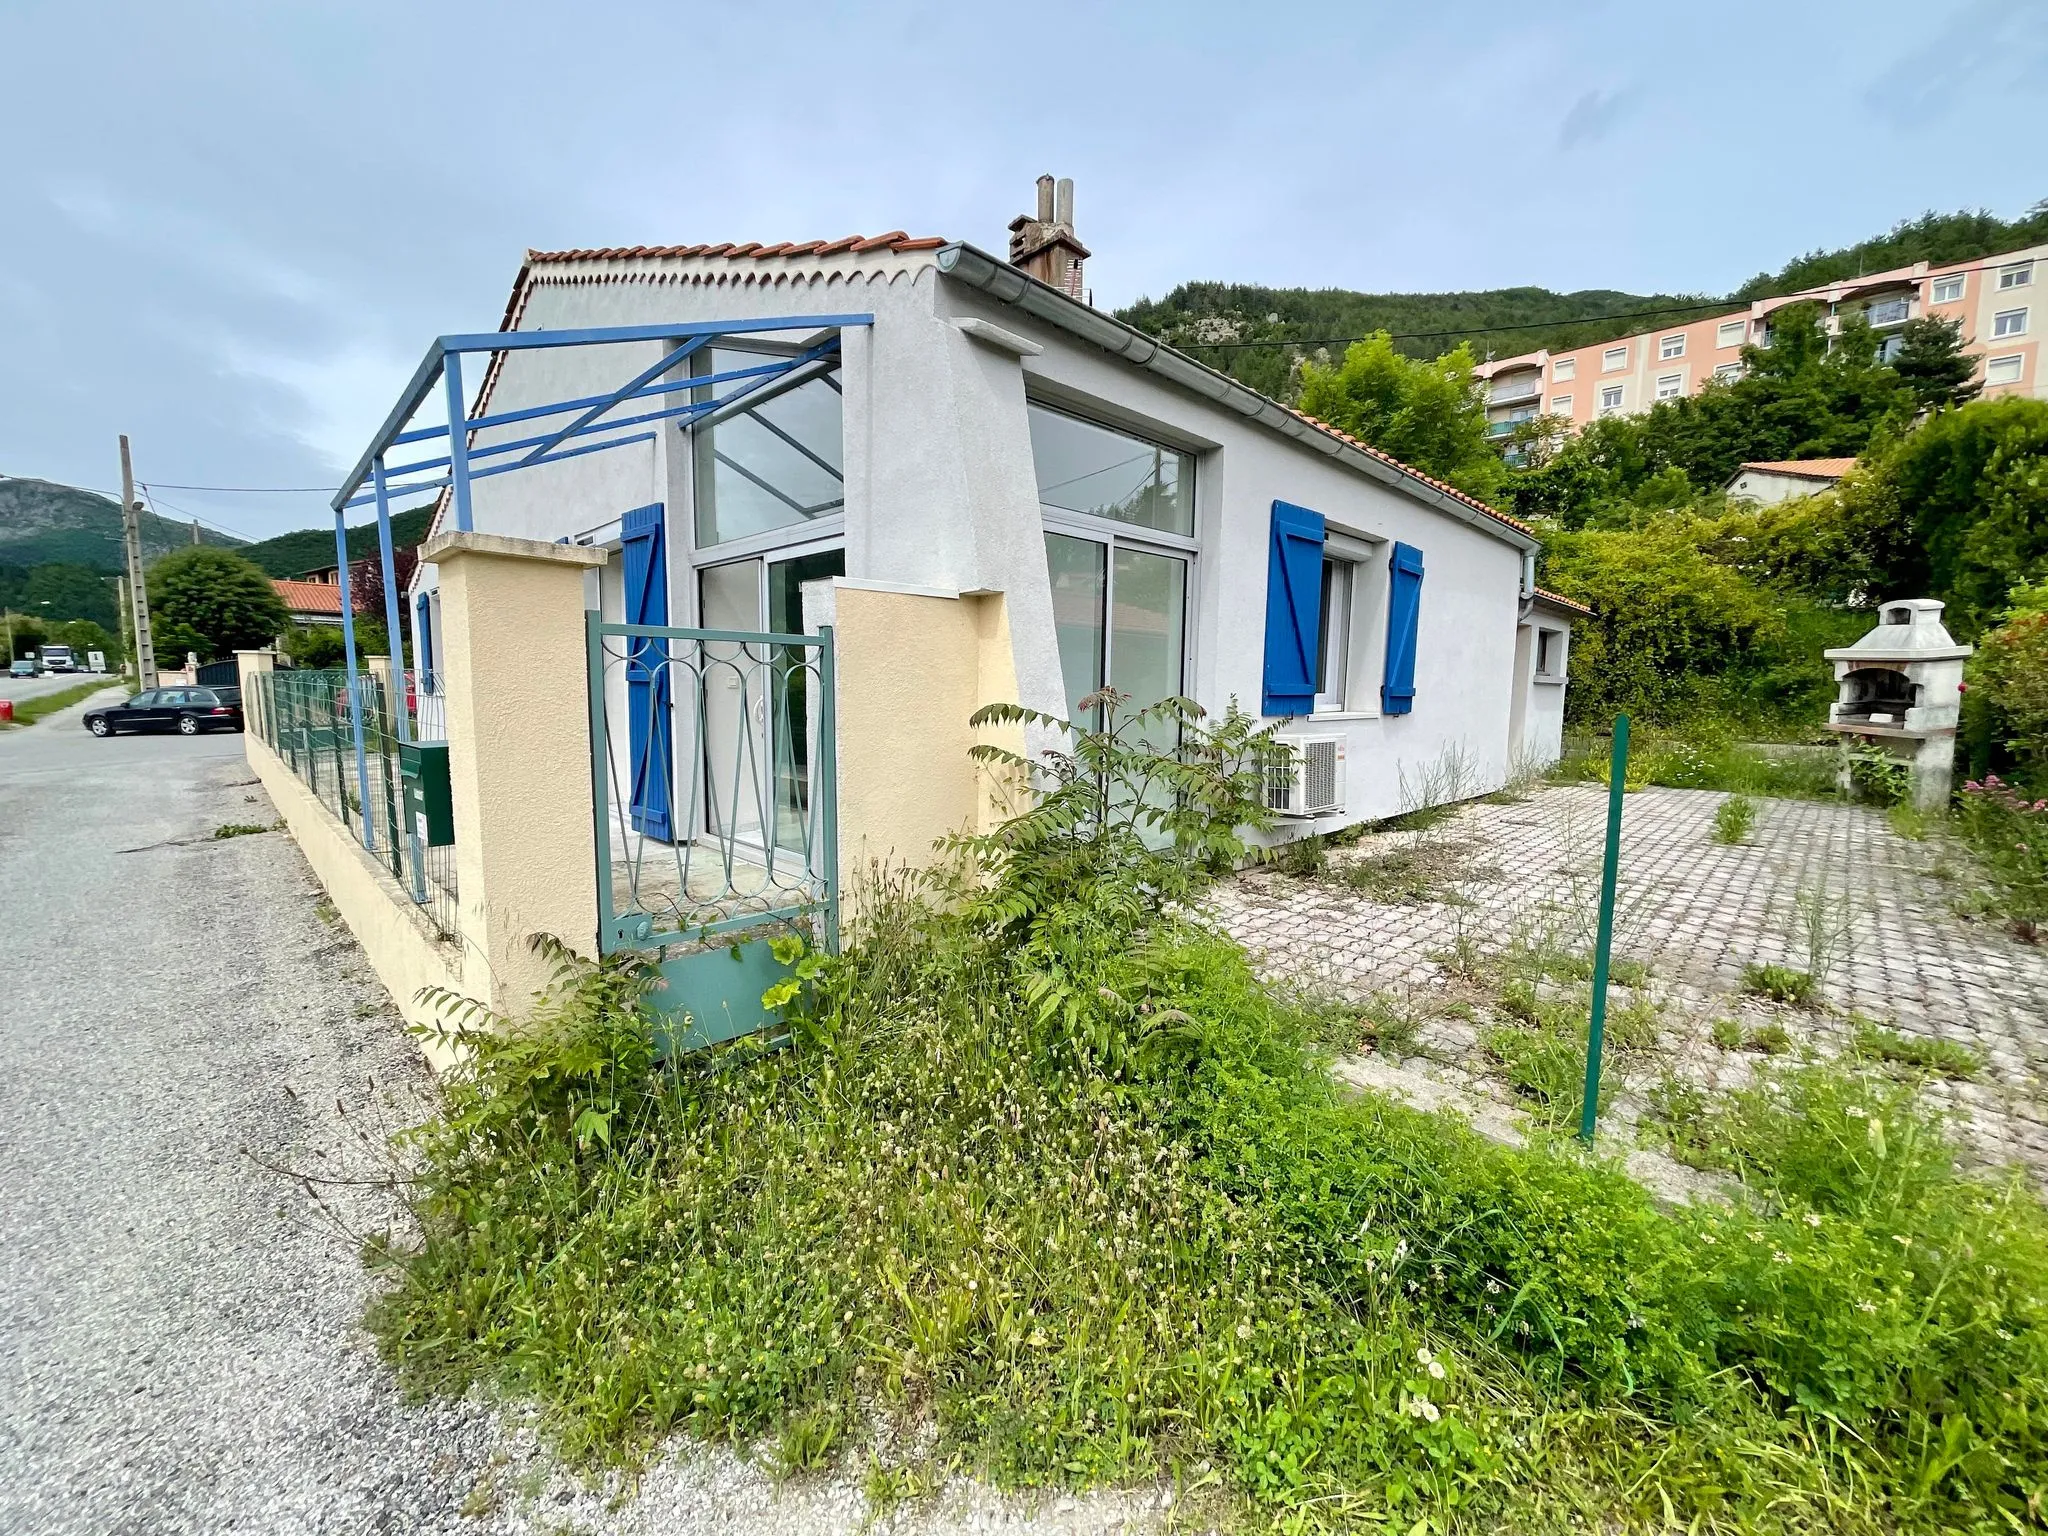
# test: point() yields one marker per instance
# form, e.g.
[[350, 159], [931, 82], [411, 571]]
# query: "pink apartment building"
[[1995, 297]]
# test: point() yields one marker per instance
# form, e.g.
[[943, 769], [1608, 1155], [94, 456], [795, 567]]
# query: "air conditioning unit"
[[1311, 785]]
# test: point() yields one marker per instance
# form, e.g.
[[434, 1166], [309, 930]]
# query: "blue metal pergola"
[[460, 465]]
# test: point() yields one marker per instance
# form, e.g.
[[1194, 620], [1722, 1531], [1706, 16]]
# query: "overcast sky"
[[230, 230]]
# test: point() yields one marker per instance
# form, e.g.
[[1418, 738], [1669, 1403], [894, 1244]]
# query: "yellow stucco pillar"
[[248, 666], [514, 676]]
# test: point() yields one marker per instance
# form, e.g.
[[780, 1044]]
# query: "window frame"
[[1998, 330], [1339, 616], [1365, 656], [1666, 351], [1563, 369], [1670, 386], [1558, 645], [1608, 407], [1935, 295], [2018, 360], [702, 466], [1560, 405], [1192, 463], [2018, 275], [1722, 328], [1607, 356], [1728, 373]]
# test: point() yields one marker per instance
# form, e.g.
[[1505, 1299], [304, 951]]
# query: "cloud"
[[336, 400], [1987, 49], [1594, 116]]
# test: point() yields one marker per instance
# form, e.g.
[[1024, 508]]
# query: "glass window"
[[1333, 657], [1092, 470], [1120, 614], [1671, 386], [1729, 333], [1728, 373], [1672, 346], [2004, 370], [772, 465], [1610, 398], [1560, 405], [1947, 290], [1547, 652], [1564, 368], [1613, 358], [2016, 277], [143, 701], [2009, 322]]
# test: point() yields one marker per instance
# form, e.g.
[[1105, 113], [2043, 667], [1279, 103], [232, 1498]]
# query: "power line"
[[1464, 330], [249, 490]]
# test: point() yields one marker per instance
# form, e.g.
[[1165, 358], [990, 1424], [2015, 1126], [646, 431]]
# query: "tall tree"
[[1431, 415], [1934, 365], [212, 602]]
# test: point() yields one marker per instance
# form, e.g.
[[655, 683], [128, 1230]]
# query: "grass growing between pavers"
[[1047, 1186]]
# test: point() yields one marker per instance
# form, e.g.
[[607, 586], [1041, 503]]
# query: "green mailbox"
[[423, 779]]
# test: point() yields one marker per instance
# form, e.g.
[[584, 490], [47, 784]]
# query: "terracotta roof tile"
[[309, 596], [1806, 469], [895, 240], [1412, 472], [1563, 602]]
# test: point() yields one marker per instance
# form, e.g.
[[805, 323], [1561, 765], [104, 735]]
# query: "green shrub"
[[1734, 818], [1304, 857], [1877, 777], [1727, 1034], [1769, 1040], [2009, 834], [1779, 983]]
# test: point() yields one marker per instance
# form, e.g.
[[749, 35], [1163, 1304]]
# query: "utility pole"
[[131, 526], [124, 622], [195, 530]]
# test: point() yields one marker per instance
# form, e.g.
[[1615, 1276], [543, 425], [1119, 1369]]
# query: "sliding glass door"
[[1120, 613]]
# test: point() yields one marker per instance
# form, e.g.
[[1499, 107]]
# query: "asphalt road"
[[179, 1345], [20, 688]]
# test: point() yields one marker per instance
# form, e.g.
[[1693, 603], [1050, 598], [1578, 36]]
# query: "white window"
[[1728, 373], [1729, 333], [1947, 290], [1560, 405], [1550, 653], [1564, 368], [2016, 277], [1610, 399], [2004, 370], [1671, 346], [1613, 358], [1333, 657], [1670, 386], [2009, 322]]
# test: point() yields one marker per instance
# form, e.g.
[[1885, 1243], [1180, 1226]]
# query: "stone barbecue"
[[1900, 689]]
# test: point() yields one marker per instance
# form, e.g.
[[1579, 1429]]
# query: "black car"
[[188, 711]]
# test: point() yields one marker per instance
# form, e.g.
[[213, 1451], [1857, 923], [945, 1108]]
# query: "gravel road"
[[180, 1348]]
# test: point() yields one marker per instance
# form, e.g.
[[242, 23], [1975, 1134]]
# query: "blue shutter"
[[1404, 608], [1294, 609], [647, 680]]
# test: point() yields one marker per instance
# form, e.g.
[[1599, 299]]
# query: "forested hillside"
[[1260, 335], [311, 549], [43, 523]]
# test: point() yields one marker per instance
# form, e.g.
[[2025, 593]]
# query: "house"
[[314, 598], [962, 425], [1991, 297], [1770, 481]]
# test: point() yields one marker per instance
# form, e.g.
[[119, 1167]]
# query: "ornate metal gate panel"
[[733, 734]]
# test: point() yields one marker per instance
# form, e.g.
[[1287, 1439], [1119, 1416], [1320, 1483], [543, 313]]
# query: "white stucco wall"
[[941, 493]]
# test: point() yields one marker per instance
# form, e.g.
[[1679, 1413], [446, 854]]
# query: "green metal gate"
[[715, 805]]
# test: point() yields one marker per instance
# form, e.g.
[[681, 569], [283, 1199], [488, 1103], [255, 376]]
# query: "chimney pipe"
[[1045, 199], [1063, 206]]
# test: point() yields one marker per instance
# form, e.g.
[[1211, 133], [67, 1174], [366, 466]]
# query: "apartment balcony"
[[1510, 391], [1889, 312]]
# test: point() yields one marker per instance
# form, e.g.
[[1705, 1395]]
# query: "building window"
[[1560, 405], [1891, 347], [1729, 333], [1120, 617], [1550, 653], [1610, 399], [2004, 370], [1094, 471], [1670, 386], [2016, 277], [1613, 359], [2009, 322], [1564, 368], [1889, 312], [1333, 656], [1728, 373], [1947, 290], [1671, 346], [774, 464]]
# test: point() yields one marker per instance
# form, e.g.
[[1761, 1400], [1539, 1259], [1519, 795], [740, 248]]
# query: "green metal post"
[[1617, 786], [827, 787]]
